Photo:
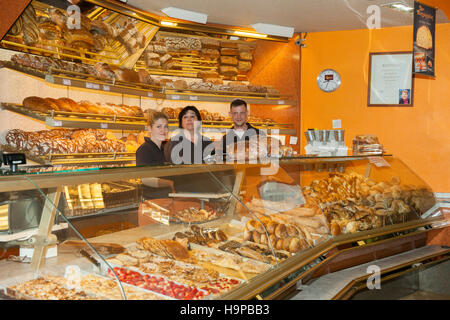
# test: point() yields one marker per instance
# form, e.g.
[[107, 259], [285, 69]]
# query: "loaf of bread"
[[229, 60], [229, 52], [228, 70], [36, 104], [209, 43], [229, 44], [244, 66], [245, 55]]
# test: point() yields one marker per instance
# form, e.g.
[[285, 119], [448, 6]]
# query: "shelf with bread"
[[67, 146], [66, 113], [189, 55], [99, 35], [105, 78]]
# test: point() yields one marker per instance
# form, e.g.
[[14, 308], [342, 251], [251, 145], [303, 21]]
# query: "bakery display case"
[[228, 231]]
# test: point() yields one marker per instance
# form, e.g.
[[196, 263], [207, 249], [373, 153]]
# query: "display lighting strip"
[[250, 34]]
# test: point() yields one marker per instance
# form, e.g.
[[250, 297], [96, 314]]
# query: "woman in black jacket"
[[151, 152], [188, 145]]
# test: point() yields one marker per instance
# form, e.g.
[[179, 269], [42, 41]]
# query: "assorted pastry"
[[352, 202], [188, 215], [184, 273]]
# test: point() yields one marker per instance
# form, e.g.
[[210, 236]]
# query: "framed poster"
[[390, 79]]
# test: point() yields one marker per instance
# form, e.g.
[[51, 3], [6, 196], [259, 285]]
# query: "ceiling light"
[[399, 6], [274, 30], [185, 14], [250, 34], [168, 23]]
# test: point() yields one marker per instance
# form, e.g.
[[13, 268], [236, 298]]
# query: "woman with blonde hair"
[[151, 152]]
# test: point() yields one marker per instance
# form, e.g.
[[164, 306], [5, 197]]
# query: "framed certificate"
[[390, 79]]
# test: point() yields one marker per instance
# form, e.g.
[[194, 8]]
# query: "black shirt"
[[231, 137], [150, 153], [178, 144]]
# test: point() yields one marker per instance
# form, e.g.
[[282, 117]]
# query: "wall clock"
[[328, 80]]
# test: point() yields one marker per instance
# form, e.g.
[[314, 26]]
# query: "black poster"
[[424, 33]]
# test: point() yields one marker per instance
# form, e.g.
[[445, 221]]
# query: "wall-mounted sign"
[[424, 35], [390, 79]]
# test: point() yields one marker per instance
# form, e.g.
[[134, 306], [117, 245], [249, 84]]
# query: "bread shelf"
[[59, 119], [72, 79]]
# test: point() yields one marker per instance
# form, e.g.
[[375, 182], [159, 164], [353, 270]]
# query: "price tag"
[[150, 94], [104, 125], [57, 123], [67, 82], [379, 161], [90, 85], [280, 101], [106, 88], [175, 97], [193, 98], [293, 140]]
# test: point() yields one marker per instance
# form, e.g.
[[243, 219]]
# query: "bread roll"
[[263, 239], [280, 231], [260, 227], [248, 235], [256, 237], [286, 243], [272, 240], [294, 245], [291, 231], [271, 226], [250, 225], [279, 244], [335, 228]]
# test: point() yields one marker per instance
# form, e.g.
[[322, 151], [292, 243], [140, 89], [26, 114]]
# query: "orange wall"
[[419, 135]]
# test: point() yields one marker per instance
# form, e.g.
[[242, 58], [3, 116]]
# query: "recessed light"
[[185, 14], [273, 29]]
